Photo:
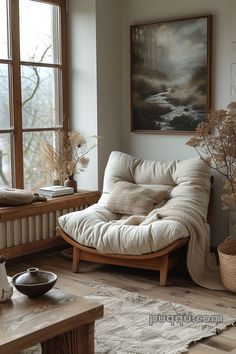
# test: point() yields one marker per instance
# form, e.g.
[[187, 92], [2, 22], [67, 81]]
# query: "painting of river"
[[170, 75]]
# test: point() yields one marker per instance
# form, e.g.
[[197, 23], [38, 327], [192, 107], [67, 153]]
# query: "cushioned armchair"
[[142, 216]]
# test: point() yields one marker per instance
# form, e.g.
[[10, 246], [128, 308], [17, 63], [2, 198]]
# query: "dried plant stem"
[[215, 143], [68, 158]]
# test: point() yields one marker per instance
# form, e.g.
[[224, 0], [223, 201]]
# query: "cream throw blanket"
[[201, 263]]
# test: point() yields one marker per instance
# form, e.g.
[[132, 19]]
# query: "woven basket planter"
[[227, 256]]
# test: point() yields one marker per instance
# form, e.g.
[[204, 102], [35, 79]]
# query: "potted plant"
[[215, 142]]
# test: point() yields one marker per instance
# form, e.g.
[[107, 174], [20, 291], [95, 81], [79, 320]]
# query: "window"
[[33, 86]]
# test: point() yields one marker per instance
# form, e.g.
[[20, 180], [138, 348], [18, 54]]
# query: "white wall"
[[100, 80], [172, 147], [95, 79], [108, 79], [134, 11], [83, 80]]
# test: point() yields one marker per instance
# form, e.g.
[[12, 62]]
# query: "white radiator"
[[32, 228]]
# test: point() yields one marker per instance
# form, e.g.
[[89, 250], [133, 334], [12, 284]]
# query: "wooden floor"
[[180, 289]]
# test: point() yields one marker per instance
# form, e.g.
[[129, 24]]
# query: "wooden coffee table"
[[61, 322]]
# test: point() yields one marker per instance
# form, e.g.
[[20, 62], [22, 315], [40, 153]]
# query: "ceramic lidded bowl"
[[34, 282]]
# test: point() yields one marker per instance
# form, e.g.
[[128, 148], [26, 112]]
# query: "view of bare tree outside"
[[5, 160], [3, 30], [5, 146], [39, 83], [40, 97], [40, 109], [40, 87], [4, 97], [39, 32], [33, 163]]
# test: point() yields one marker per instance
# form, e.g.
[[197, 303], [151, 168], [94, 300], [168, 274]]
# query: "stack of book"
[[55, 191]]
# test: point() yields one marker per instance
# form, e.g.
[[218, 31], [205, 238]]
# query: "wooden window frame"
[[16, 110]]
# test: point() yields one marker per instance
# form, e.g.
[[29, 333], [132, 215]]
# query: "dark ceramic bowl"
[[34, 282]]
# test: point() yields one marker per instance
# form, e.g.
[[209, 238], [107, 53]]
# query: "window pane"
[[35, 174], [4, 97], [5, 160], [3, 30], [39, 34], [40, 97]]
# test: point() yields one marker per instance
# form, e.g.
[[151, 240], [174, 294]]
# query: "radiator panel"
[[32, 228]]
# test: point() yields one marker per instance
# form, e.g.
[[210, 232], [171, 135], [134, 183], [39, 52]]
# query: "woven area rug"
[[133, 323]]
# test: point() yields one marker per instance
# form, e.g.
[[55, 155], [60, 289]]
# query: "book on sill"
[[55, 191]]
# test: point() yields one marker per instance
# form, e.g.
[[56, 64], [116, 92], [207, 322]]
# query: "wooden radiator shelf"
[[53, 206]]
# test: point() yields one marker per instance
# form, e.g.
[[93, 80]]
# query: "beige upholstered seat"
[[187, 183], [177, 191]]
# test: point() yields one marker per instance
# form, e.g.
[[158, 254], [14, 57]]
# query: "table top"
[[25, 322]]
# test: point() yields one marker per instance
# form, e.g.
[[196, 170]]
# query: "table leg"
[[77, 341]]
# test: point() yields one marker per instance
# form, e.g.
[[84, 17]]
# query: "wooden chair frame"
[[162, 260]]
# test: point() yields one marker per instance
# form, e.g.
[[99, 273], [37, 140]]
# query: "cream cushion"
[[132, 199], [188, 182]]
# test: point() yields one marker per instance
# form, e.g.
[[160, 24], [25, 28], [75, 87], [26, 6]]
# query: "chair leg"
[[164, 269], [75, 261]]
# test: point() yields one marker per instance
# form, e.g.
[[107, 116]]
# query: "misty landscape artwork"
[[170, 75]]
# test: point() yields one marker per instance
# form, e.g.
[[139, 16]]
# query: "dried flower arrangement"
[[70, 158], [215, 142]]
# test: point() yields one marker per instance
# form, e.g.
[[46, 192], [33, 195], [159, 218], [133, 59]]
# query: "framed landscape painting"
[[170, 75]]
